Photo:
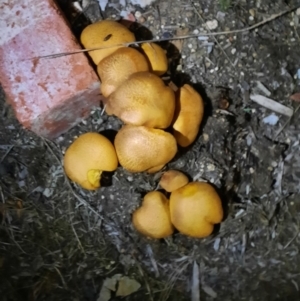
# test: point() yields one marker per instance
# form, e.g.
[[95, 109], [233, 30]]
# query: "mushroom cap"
[[105, 33], [157, 58], [172, 180], [140, 148], [152, 219], [195, 208], [114, 69], [86, 158], [143, 99], [188, 115]]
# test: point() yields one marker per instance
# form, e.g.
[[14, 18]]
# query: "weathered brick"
[[48, 95]]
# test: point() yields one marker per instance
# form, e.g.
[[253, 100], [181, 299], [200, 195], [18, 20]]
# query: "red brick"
[[48, 95]]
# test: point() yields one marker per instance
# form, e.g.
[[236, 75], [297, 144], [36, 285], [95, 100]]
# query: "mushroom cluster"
[[156, 120], [193, 208]]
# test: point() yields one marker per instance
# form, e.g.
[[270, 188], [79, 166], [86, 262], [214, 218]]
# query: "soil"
[[60, 242]]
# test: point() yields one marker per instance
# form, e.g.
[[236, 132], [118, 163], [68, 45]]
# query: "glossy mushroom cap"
[[188, 115], [86, 158], [157, 58], [172, 180], [195, 208], [117, 67], [105, 33], [143, 99], [140, 148], [152, 219]]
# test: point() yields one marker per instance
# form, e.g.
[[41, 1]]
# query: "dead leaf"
[[295, 97], [127, 286]]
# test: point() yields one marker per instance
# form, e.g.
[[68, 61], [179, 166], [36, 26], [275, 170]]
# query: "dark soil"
[[60, 242]]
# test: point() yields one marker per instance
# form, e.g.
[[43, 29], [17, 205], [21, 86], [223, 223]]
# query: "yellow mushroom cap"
[[172, 180], [105, 33], [157, 58], [152, 219], [117, 67], [188, 115], [86, 158], [143, 99], [195, 208], [140, 148]]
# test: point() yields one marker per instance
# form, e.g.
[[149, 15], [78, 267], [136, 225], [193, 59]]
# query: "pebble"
[[233, 50], [138, 14], [221, 16], [213, 24], [298, 12]]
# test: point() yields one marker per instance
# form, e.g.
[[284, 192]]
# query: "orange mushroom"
[[143, 99], [87, 157], [107, 34], [140, 148], [195, 208], [117, 67], [172, 180], [188, 115], [157, 58], [152, 219]]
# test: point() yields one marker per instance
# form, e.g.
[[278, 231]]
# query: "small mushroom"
[[140, 148], [188, 115], [172, 180], [195, 208], [105, 34], [117, 67], [143, 99], [157, 58], [152, 219], [87, 157]]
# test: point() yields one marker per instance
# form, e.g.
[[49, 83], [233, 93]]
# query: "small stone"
[[233, 51], [221, 16], [298, 12], [205, 137], [213, 24], [251, 18], [138, 14]]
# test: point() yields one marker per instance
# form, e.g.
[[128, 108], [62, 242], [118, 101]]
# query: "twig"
[[146, 281], [172, 279], [293, 238], [254, 26], [79, 242], [7, 152], [61, 277], [286, 123], [271, 104]]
